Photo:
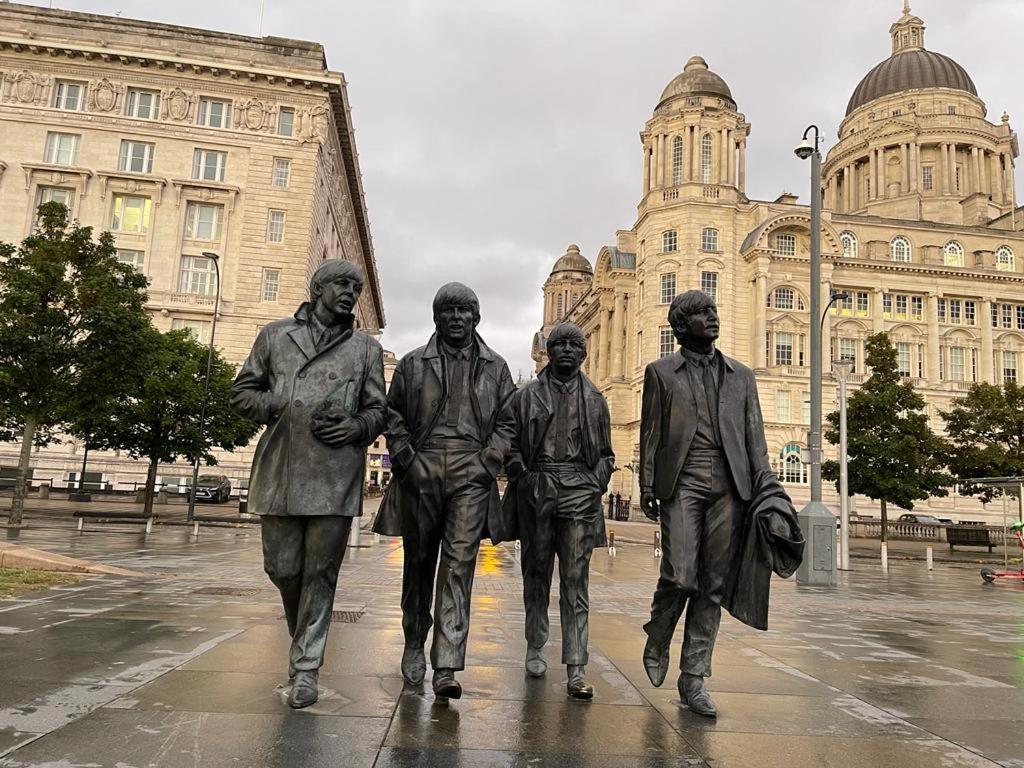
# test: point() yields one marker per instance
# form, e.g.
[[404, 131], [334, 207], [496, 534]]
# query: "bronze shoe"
[[656, 660], [414, 666], [577, 686], [445, 684], [696, 696], [535, 664], [304, 691]]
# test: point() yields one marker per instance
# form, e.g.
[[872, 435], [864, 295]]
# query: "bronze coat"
[[534, 414], [416, 399], [282, 384]]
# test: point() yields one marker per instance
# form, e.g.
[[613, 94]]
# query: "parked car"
[[215, 488], [914, 517]]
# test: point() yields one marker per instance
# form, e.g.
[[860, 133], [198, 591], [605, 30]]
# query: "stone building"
[[919, 230], [184, 142]]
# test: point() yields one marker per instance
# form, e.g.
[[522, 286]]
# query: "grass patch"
[[17, 581]]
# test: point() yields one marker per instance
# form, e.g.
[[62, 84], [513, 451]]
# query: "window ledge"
[[208, 190]]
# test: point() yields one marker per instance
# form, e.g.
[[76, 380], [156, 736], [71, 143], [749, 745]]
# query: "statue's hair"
[[458, 295], [332, 269], [569, 331], [686, 304]]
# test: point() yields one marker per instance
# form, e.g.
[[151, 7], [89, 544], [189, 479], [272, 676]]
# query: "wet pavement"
[[187, 668]]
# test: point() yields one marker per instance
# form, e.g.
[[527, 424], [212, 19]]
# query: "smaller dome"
[[572, 261], [696, 80]]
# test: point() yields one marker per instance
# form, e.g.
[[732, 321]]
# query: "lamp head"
[[804, 149], [211, 255]]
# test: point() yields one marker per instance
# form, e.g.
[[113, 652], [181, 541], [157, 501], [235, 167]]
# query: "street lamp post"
[[819, 559], [842, 368], [206, 385]]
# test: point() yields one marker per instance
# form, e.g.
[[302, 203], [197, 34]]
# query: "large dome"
[[572, 261], [696, 80]]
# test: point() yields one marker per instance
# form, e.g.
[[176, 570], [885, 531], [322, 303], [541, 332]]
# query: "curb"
[[19, 556]]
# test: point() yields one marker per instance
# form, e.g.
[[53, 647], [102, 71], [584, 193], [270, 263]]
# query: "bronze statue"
[[447, 445], [704, 473], [559, 465], [318, 385]]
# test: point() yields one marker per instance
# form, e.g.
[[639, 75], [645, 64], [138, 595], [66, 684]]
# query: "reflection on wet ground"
[[187, 667]]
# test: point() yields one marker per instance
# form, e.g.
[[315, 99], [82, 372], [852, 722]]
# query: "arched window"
[[792, 469], [783, 298], [559, 306], [709, 239], [849, 243], [705, 158], [1004, 259], [899, 249], [669, 242], [953, 254], [677, 161]]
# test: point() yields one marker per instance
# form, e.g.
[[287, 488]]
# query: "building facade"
[[183, 142], [920, 231]]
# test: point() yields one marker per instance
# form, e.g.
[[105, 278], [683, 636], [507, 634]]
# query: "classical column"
[[684, 157], [880, 180], [877, 318], [847, 184], [976, 167], [933, 337], [944, 167], [723, 162], [905, 168], [659, 161], [618, 342], [952, 169], [995, 177], [742, 163], [695, 154], [647, 169], [1008, 179], [732, 160], [873, 175], [602, 344], [986, 372], [760, 356], [915, 166]]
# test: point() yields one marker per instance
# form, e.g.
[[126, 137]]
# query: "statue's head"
[[693, 315], [336, 286], [456, 314], [567, 349]]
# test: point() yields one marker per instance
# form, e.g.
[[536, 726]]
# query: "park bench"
[[83, 515], [968, 535], [241, 518]]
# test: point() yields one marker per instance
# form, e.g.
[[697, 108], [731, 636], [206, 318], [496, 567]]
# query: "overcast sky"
[[492, 134]]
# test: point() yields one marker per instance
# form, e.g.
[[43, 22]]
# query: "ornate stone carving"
[[253, 114], [103, 95], [24, 87], [314, 124], [177, 104]]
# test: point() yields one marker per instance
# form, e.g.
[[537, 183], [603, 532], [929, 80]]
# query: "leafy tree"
[[71, 317], [894, 457], [161, 421], [985, 428]]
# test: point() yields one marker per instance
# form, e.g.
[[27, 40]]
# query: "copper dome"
[[696, 80], [572, 261], [909, 70]]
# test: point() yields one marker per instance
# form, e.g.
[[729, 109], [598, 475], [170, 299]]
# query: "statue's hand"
[[337, 432], [650, 506]]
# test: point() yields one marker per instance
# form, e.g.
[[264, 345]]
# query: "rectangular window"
[[782, 410], [1007, 315], [903, 362], [203, 221], [843, 306], [926, 177], [669, 242], [145, 105], [1020, 317], [920, 361], [136, 157], [957, 363], [200, 329], [668, 287], [136, 258], [848, 351], [785, 244], [198, 275], [1009, 367], [275, 227], [941, 306], [61, 148], [916, 307], [271, 284], [56, 195], [709, 239], [131, 213], [709, 284], [783, 348], [282, 172], [69, 95], [286, 121], [214, 113], [995, 315], [863, 305], [801, 346], [970, 313], [666, 341], [887, 306], [209, 164], [955, 311], [901, 306]]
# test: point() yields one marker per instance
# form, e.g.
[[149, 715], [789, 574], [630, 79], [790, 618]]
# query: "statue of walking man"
[[559, 465], [318, 386], [447, 444], [704, 473]]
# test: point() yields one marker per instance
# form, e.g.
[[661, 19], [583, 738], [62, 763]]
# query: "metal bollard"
[[657, 543], [611, 543], [885, 557], [928, 556], [376, 538], [44, 491], [354, 533]]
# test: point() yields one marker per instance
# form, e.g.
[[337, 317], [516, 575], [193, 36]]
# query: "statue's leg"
[[537, 561], [465, 517], [422, 527], [576, 527], [282, 560], [718, 531], [324, 549]]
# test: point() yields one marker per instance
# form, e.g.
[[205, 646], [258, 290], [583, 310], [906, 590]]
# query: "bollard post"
[[885, 557], [376, 538], [611, 543], [44, 491], [928, 556], [354, 533], [657, 543]]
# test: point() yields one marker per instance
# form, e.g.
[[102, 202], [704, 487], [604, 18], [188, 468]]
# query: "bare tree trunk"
[[885, 523], [147, 508], [21, 482]]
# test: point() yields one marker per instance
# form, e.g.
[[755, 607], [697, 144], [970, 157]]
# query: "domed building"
[[919, 232]]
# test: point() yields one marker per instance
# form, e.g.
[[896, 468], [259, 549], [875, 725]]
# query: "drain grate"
[[346, 617], [226, 591]]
